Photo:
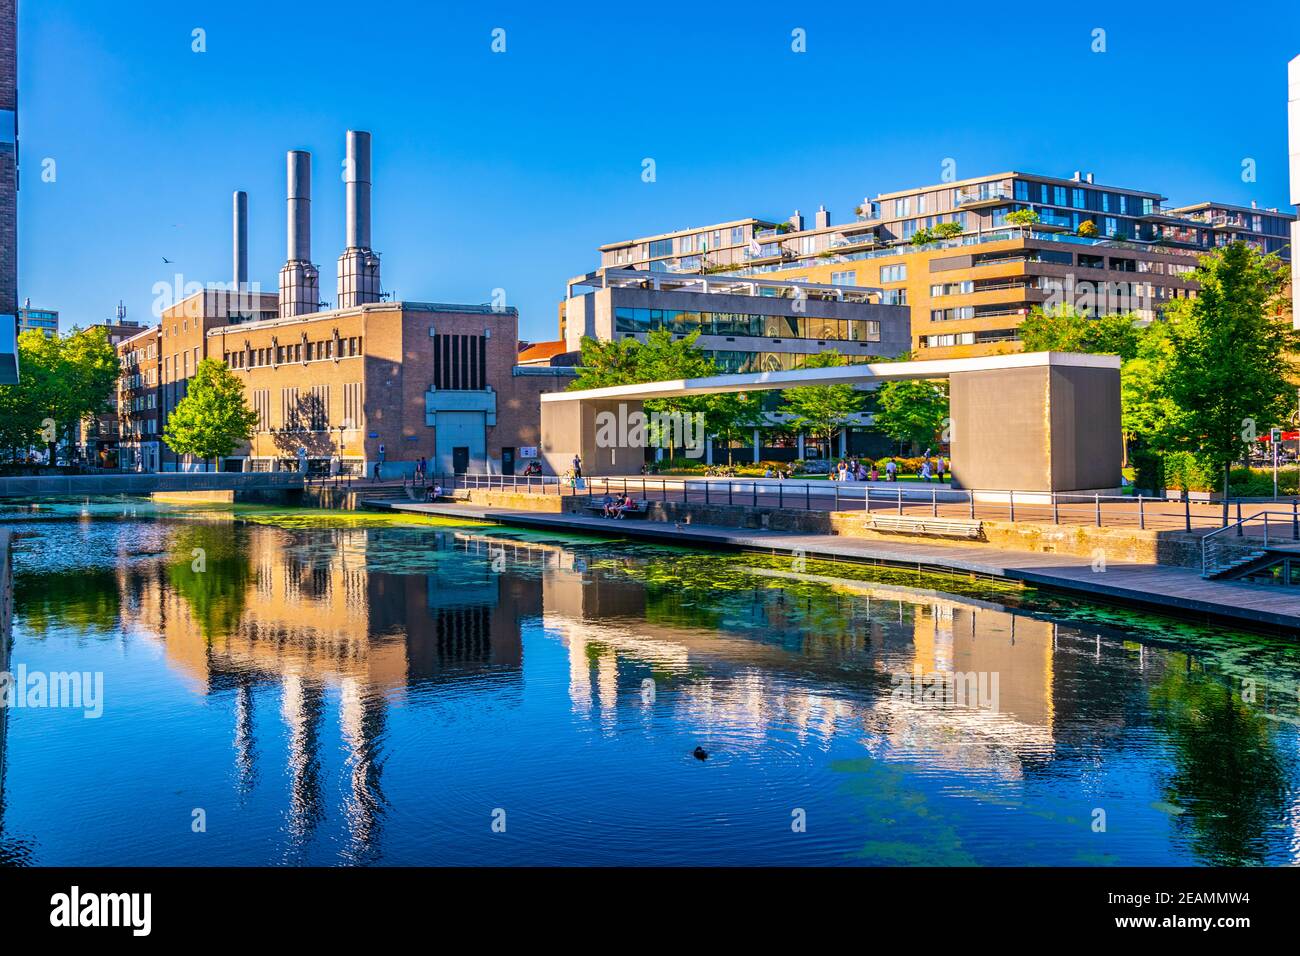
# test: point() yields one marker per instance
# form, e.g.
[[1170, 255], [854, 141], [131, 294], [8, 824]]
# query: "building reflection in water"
[[771, 659], [265, 609]]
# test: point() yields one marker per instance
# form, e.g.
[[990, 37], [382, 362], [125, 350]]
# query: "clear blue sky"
[[507, 170]]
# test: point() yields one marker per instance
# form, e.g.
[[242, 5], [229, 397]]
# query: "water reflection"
[[373, 673]]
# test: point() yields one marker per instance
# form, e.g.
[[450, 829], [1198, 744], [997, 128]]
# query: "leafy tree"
[[1087, 228], [1022, 217], [912, 411], [662, 357], [606, 363], [823, 409], [1230, 372], [1064, 329], [213, 417], [63, 379], [927, 234], [733, 416], [1149, 414]]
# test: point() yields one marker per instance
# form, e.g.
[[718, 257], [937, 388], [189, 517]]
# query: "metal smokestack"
[[359, 265], [299, 223], [299, 279], [357, 175], [241, 240]]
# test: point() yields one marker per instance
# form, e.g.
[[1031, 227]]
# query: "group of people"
[[614, 506], [851, 469]]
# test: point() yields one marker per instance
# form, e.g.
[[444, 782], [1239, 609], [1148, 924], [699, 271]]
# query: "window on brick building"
[[459, 362]]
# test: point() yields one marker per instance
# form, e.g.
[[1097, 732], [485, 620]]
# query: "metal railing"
[[1142, 512], [1230, 545]]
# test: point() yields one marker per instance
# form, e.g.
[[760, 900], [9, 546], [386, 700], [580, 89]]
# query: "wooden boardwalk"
[[1148, 586]]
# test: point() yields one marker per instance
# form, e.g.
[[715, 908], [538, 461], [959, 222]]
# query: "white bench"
[[932, 527]]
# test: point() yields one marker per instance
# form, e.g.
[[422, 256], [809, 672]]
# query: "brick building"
[[387, 382], [8, 191], [182, 341], [137, 402]]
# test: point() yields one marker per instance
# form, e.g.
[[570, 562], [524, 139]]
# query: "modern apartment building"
[[746, 325], [751, 324], [969, 276], [39, 320]]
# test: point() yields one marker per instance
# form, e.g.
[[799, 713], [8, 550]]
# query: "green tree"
[[912, 411], [213, 417], [733, 416], [1144, 352], [606, 363], [1022, 217], [947, 230], [1230, 371], [661, 357], [1065, 329], [63, 380], [823, 409]]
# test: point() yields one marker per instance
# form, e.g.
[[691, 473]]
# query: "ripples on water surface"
[[339, 690]]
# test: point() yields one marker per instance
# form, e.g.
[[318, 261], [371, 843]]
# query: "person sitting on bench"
[[609, 506]]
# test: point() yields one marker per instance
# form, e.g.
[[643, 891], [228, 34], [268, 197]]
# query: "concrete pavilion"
[[1037, 421]]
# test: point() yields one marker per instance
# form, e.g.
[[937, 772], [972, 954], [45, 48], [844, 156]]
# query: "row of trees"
[[63, 380], [905, 411], [1217, 371]]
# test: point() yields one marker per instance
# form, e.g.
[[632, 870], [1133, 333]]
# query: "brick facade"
[[363, 383], [8, 157], [139, 417]]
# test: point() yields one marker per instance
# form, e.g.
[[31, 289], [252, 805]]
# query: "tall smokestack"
[[299, 279], [359, 265], [241, 240]]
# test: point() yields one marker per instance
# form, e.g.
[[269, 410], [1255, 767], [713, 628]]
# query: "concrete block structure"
[[1037, 421], [1053, 426]]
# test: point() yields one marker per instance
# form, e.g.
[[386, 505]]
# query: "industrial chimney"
[[241, 240], [359, 265], [299, 279]]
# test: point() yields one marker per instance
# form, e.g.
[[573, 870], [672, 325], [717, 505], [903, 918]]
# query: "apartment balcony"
[[978, 197], [841, 241]]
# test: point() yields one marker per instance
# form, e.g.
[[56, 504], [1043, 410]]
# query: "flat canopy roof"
[[861, 374]]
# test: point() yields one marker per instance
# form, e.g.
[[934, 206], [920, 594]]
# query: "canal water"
[[294, 687]]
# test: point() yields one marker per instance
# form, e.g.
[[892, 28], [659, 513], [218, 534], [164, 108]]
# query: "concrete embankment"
[[1069, 563], [6, 598], [6, 635]]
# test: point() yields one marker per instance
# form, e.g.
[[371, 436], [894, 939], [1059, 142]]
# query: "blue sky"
[[507, 170]]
